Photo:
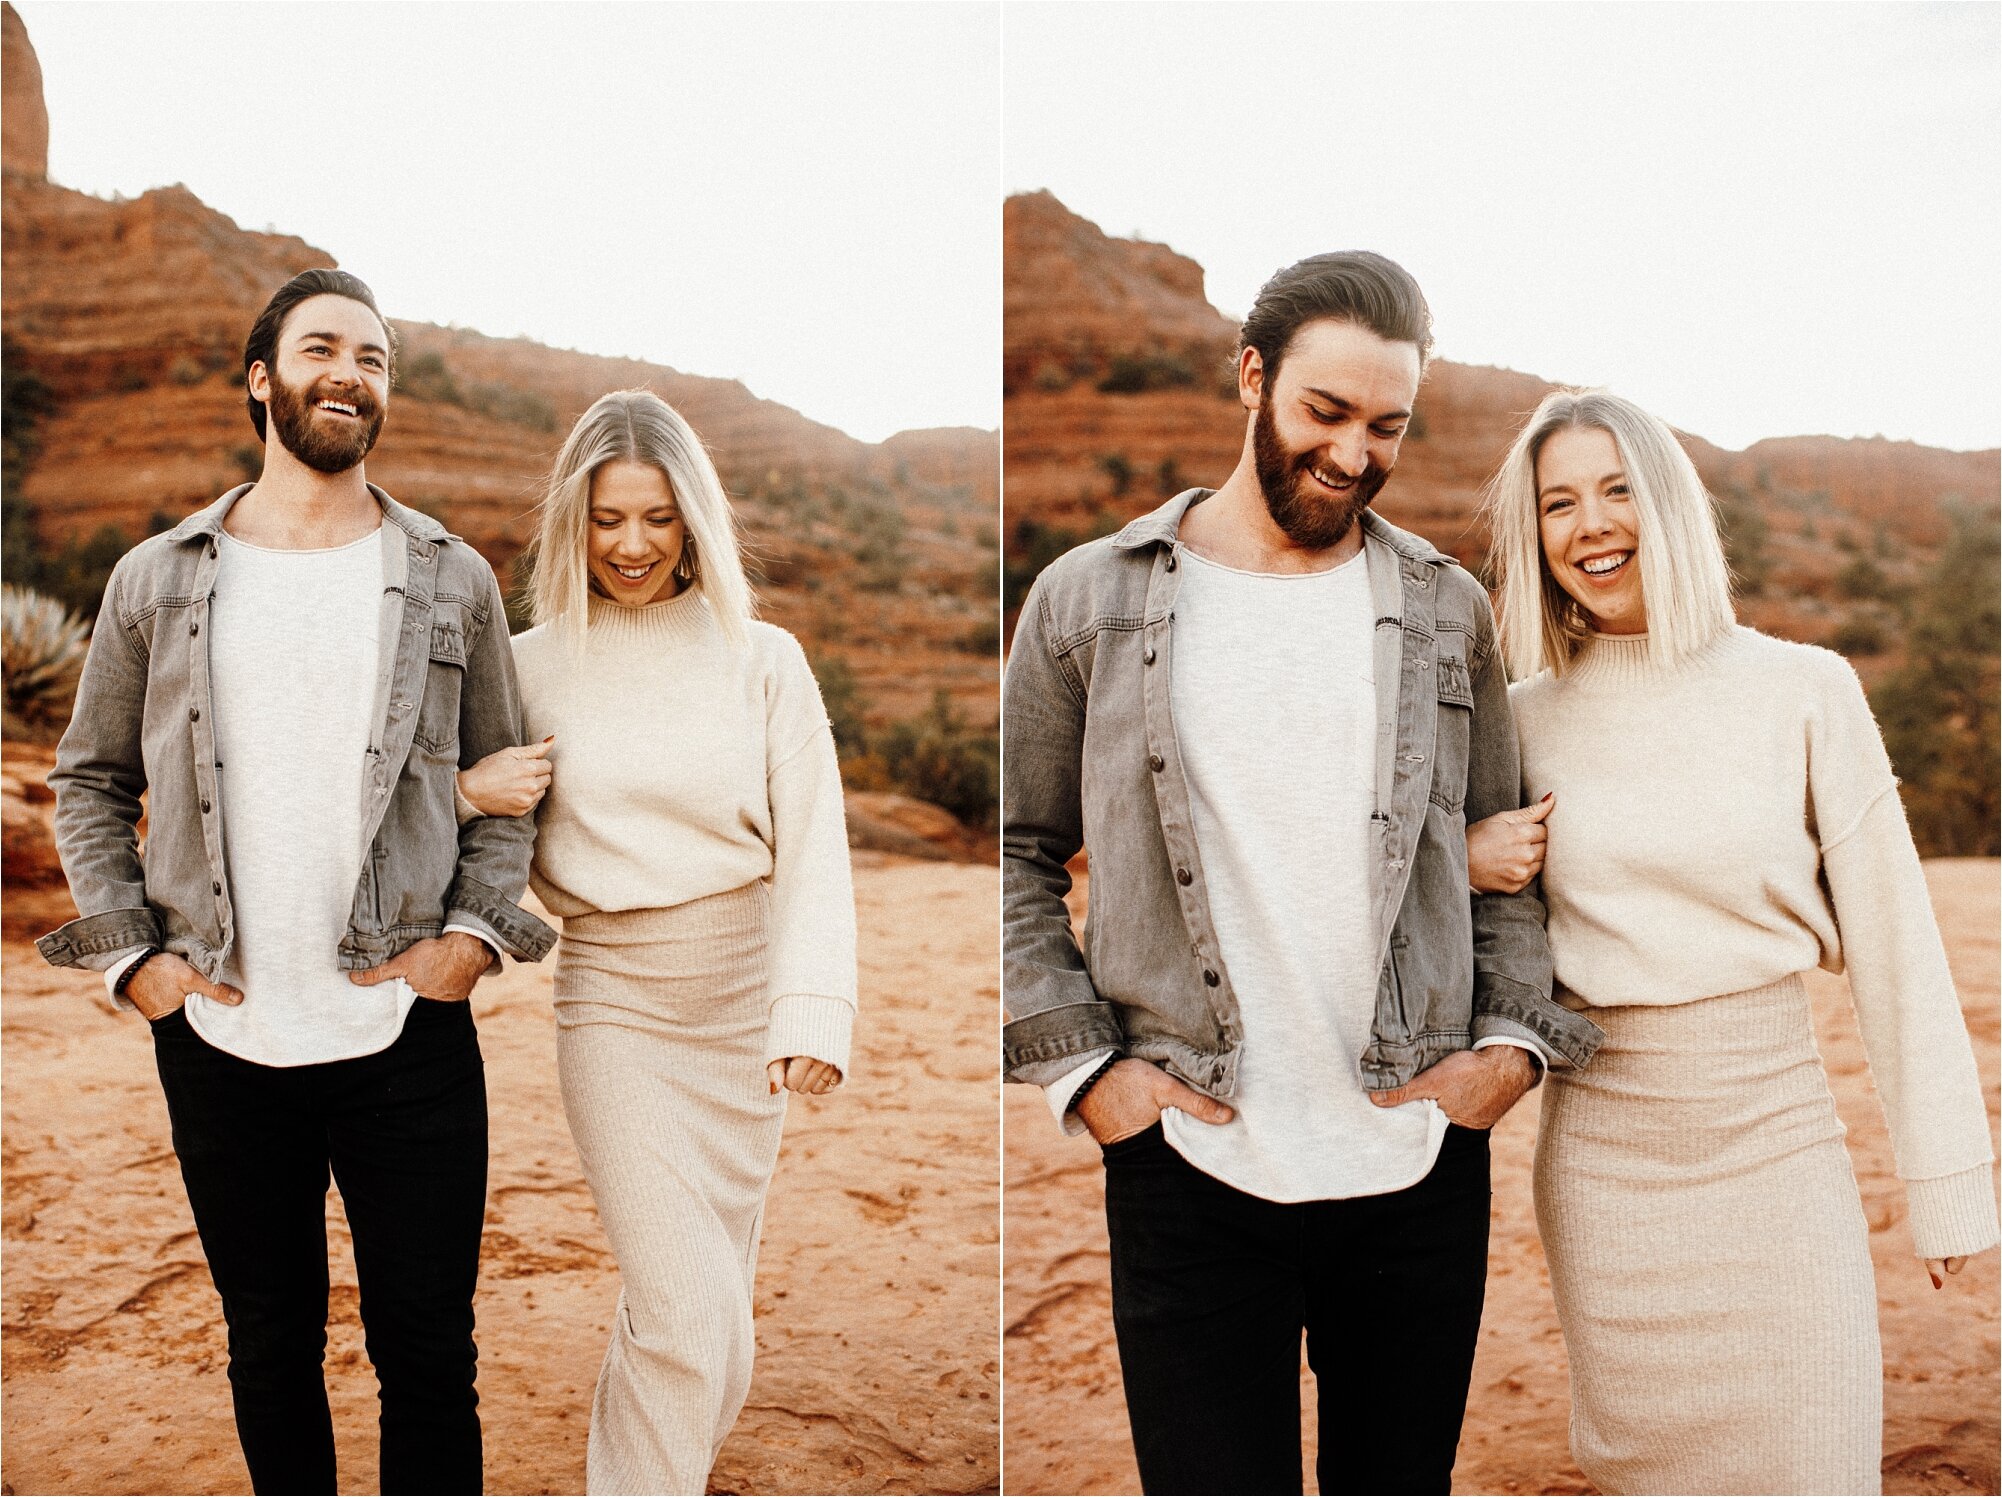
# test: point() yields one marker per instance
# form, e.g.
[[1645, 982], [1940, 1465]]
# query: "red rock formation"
[[133, 313], [1080, 459], [24, 127]]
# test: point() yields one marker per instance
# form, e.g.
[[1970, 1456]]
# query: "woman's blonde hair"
[[637, 426], [1685, 581]]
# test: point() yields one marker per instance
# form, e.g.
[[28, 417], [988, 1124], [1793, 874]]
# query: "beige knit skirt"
[[1709, 1256], [660, 1042]]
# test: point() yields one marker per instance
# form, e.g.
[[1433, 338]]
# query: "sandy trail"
[[877, 1301], [1066, 1425]]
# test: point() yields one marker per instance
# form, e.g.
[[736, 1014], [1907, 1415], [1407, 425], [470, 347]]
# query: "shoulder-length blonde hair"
[[637, 426], [1685, 581]]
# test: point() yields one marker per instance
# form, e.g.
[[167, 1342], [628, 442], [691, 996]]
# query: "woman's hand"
[[509, 781], [1505, 851], [802, 1073], [1939, 1268]]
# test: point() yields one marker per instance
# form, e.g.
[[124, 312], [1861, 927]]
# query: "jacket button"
[[1147, 656], [1210, 979], [1156, 763], [1184, 877], [205, 808], [194, 714], [1171, 561], [194, 629], [215, 887]]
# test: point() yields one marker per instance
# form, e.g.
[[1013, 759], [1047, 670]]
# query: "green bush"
[[1133, 374], [841, 695], [1860, 634], [1938, 712], [936, 757]]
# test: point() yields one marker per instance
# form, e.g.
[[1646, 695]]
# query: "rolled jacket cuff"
[[473, 903], [1040, 1047], [813, 1025], [1511, 1009], [97, 941], [1954, 1215]]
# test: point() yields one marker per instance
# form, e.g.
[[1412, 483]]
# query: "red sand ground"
[[877, 1298], [1066, 1420]]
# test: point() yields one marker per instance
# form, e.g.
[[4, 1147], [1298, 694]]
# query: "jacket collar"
[[207, 521], [1162, 525]]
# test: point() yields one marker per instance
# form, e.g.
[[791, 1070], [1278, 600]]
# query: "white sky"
[[1756, 220], [801, 196]]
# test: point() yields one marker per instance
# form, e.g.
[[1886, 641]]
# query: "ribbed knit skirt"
[[1709, 1256], [660, 1039]]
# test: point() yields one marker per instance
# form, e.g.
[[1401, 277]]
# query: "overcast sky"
[[801, 196], [1756, 220]]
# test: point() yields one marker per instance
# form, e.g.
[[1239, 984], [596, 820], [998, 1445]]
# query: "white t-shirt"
[[292, 670]]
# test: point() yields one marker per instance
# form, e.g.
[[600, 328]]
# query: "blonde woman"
[[1723, 817], [692, 841]]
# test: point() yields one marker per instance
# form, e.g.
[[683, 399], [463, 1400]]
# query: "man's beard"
[[329, 446], [1303, 509]]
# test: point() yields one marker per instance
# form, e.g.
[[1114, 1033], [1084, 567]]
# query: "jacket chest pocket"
[[444, 677], [1456, 719]]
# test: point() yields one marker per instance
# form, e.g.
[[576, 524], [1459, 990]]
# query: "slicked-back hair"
[[1685, 580], [262, 344], [636, 426], [1346, 286]]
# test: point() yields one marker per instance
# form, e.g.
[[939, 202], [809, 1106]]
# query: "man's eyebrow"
[[1343, 404], [336, 338]]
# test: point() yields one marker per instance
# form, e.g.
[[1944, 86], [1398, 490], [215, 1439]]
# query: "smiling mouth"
[[634, 574], [1599, 568], [339, 408], [1329, 479]]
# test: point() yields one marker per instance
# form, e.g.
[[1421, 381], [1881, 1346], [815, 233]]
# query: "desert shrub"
[[1861, 633], [841, 695], [1746, 533], [1134, 374], [186, 371], [42, 647], [936, 757], [1118, 469], [878, 530], [1938, 712], [978, 639], [1050, 377], [1168, 478], [426, 376], [1863, 579]]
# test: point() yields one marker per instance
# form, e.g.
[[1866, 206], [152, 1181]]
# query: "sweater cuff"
[[1954, 1215], [812, 1025]]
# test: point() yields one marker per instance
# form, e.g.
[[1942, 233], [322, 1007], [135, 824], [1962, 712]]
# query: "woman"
[[1724, 817], [692, 841]]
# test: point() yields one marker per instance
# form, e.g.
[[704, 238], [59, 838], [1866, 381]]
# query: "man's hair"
[[1347, 286], [262, 344]]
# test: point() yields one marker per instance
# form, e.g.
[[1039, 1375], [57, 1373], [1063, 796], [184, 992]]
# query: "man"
[[295, 674], [1269, 716]]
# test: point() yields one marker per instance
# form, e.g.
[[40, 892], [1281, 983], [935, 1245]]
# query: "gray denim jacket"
[[445, 695], [1090, 760]]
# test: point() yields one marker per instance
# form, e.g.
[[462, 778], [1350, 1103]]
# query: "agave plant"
[[41, 656]]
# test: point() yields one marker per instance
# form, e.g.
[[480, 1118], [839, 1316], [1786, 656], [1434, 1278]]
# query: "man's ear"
[[257, 380], [1250, 378]]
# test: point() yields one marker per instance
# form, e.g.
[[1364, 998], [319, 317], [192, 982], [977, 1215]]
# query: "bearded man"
[[1268, 717], [295, 674]]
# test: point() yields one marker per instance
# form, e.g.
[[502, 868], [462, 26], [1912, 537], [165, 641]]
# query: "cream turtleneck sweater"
[[1732, 821], [685, 766]]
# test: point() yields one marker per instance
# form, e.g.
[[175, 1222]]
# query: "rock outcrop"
[[1083, 453], [24, 116]]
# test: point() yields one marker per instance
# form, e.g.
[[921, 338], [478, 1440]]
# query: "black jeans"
[[1211, 1289], [404, 1132]]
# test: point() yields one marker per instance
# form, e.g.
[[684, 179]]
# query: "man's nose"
[[1349, 451]]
